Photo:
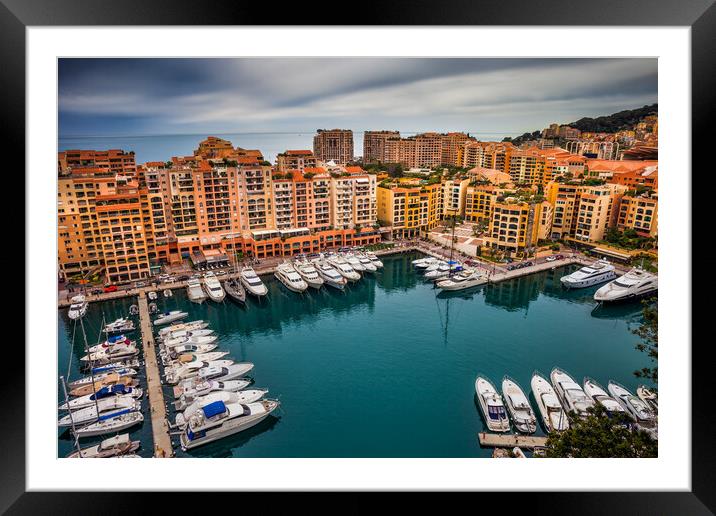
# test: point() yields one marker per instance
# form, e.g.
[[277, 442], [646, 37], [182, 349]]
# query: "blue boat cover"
[[116, 338], [212, 409], [115, 414]]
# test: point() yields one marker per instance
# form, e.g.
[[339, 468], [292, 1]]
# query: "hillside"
[[620, 121]]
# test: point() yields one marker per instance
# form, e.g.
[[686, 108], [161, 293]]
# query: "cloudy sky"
[[112, 97]]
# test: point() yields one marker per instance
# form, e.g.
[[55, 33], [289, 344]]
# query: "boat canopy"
[[215, 408], [496, 412], [112, 415]]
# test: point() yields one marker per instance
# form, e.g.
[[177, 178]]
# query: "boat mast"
[[452, 245], [91, 363], [72, 420]]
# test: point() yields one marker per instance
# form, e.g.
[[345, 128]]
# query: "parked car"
[[560, 257], [96, 291], [511, 267], [110, 288], [551, 258], [140, 284], [528, 264]]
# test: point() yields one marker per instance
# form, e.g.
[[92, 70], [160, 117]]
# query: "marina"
[[387, 332]]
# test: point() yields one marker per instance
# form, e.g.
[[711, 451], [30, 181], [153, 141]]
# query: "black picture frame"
[[700, 15]]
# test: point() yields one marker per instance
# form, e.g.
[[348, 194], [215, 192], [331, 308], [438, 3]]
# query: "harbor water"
[[388, 368]]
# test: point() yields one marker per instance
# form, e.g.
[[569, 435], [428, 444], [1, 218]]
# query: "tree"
[[601, 435], [648, 330]]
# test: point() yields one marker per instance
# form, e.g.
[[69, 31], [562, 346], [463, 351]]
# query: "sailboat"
[[465, 278]]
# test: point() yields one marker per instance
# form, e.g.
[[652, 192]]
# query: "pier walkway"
[[510, 440], [157, 408]]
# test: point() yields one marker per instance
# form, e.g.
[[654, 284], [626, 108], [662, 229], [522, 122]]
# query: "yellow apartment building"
[[639, 214]]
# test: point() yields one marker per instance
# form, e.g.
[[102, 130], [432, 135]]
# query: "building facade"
[[333, 145]]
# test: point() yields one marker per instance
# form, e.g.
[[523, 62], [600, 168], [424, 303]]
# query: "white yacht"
[[108, 381], [649, 397], [196, 341], [599, 272], [518, 406], [112, 447], [367, 263], [190, 348], [635, 406], [111, 424], [213, 288], [176, 334], [309, 273], [553, 415], [218, 420], [492, 406], [110, 376], [194, 291], [354, 262], [168, 317], [599, 395], [344, 268], [121, 325], [252, 283], [462, 280], [222, 374], [426, 262], [111, 391], [374, 258], [570, 393], [634, 284], [107, 407], [419, 261], [115, 340], [78, 308], [111, 354], [189, 390], [176, 360], [181, 372], [331, 276], [245, 397], [193, 325], [441, 270], [287, 275]]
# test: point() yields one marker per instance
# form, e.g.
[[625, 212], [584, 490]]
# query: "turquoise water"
[[388, 368]]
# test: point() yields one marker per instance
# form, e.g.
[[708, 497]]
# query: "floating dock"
[[510, 440], [157, 409]]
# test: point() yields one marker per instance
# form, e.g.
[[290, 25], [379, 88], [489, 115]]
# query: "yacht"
[[599, 272], [189, 390], [419, 261], [222, 374], [518, 406], [168, 317], [570, 393], [492, 406], [110, 381], [245, 397], [553, 416], [178, 360], [599, 395], [78, 308], [118, 326], [107, 407], [440, 271], [366, 262], [187, 371], [354, 262], [464, 279], [193, 325], [331, 276], [115, 340], [635, 406], [426, 262], [310, 275], [649, 397], [190, 348], [168, 293], [119, 390], [252, 283], [152, 295], [111, 447], [634, 284], [110, 424], [195, 341], [187, 334], [194, 291], [374, 258], [235, 290], [218, 420], [98, 376], [287, 275], [213, 288], [111, 354], [344, 268]]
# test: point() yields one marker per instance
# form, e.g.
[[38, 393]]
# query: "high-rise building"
[[374, 145], [295, 160], [333, 145]]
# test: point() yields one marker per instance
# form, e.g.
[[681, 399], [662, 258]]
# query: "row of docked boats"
[[556, 398], [335, 270], [635, 284], [212, 398], [449, 275], [108, 399]]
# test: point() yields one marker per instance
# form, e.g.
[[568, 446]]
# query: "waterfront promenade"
[[157, 408]]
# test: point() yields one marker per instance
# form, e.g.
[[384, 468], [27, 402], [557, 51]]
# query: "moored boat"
[[245, 397], [553, 415], [599, 395], [462, 280], [309, 274], [252, 283], [331, 276], [290, 279], [635, 284], [193, 325], [78, 307], [518, 406], [194, 291], [169, 317], [599, 272], [110, 424], [635, 406], [119, 326], [104, 407], [103, 393], [492, 405], [111, 447], [213, 288], [570, 393], [649, 397], [235, 290]]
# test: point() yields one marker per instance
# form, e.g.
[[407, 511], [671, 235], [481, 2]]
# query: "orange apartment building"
[[114, 160], [640, 214], [333, 145], [374, 146], [296, 160]]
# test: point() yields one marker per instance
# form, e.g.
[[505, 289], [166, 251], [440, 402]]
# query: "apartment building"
[[454, 191], [295, 160], [409, 210], [452, 145], [374, 146], [333, 145], [214, 148], [516, 226], [640, 214], [113, 161], [479, 200]]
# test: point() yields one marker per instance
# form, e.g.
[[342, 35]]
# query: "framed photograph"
[[362, 257]]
